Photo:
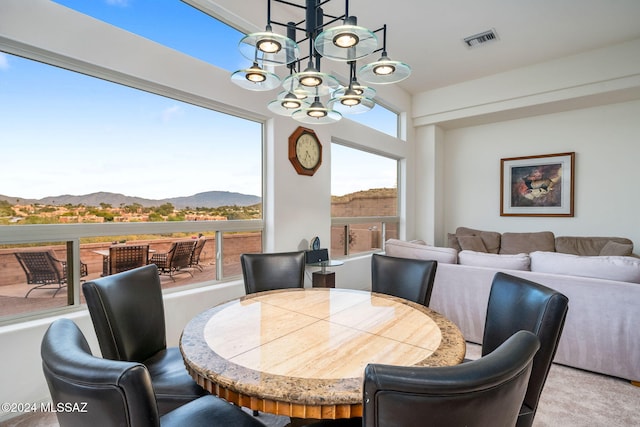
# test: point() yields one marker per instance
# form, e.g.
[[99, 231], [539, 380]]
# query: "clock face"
[[307, 151]]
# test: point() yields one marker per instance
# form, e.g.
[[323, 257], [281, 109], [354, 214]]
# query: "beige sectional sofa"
[[602, 330]]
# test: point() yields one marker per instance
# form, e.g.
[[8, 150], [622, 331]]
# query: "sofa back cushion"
[[403, 249], [490, 239], [620, 268], [592, 246], [508, 262], [472, 243], [516, 243]]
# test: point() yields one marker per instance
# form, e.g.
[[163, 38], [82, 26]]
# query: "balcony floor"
[[13, 301]]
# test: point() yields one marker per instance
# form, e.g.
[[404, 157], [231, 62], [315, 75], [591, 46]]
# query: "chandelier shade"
[[286, 103], [255, 78], [270, 48], [346, 43], [351, 104], [317, 114], [384, 71], [366, 91], [312, 82]]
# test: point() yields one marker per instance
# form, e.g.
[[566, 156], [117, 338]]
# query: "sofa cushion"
[[591, 246], [491, 239], [620, 268], [452, 242], [616, 249], [402, 249], [516, 243], [472, 243], [508, 262]]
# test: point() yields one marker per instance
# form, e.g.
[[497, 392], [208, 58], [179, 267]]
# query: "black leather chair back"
[[128, 313], [519, 304], [483, 392], [269, 271], [100, 391], [406, 278]]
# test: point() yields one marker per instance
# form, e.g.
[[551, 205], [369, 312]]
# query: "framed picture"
[[537, 185]]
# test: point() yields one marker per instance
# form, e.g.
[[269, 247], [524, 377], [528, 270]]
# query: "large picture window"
[[84, 152]]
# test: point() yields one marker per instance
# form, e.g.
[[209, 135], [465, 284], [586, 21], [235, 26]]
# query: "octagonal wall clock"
[[305, 151]]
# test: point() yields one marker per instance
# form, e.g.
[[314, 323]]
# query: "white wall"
[[605, 140], [586, 103], [296, 207]]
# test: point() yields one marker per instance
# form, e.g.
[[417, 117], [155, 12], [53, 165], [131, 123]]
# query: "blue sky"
[[82, 135]]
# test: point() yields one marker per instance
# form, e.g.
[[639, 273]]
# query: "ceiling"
[[428, 34]]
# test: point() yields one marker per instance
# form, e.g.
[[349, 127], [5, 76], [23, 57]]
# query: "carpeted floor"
[[571, 398]]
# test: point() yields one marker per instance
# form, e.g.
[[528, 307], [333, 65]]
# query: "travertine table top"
[[302, 352]]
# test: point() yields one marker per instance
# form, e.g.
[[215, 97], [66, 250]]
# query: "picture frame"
[[540, 185]]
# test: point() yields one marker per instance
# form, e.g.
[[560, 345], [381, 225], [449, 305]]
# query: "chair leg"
[[44, 286]]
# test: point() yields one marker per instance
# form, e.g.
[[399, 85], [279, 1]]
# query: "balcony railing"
[[76, 243], [355, 235]]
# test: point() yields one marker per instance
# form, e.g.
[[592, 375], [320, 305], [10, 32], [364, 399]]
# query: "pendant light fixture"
[[304, 89], [384, 70], [355, 98], [255, 78], [289, 101]]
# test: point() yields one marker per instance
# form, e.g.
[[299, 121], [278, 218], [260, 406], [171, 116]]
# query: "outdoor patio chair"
[[45, 271], [176, 260], [127, 257], [194, 261]]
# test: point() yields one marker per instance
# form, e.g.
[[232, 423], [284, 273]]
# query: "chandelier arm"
[[384, 39], [290, 4], [282, 24], [352, 72]]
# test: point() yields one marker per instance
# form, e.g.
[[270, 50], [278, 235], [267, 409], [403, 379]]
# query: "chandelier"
[[309, 95]]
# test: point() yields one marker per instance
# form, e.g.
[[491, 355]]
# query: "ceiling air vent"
[[478, 39]]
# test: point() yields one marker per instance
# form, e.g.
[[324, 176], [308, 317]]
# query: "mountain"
[[208, 199]]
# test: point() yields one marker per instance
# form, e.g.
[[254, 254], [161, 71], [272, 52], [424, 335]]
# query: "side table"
[[324, 278]]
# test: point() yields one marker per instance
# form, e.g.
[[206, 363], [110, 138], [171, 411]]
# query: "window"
[[364, 200], [86, 136], [88, 152], [379, 118]]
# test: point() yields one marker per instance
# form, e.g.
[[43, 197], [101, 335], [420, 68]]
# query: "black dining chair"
[[127, 311], [406, 278], [486, 392], [105, 392], [519, 304], [269, 271]]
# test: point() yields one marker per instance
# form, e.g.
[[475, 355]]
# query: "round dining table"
[[302, 352]]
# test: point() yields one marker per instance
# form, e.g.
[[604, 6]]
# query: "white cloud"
[[170, 113], [121, 3], [4, 61]]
